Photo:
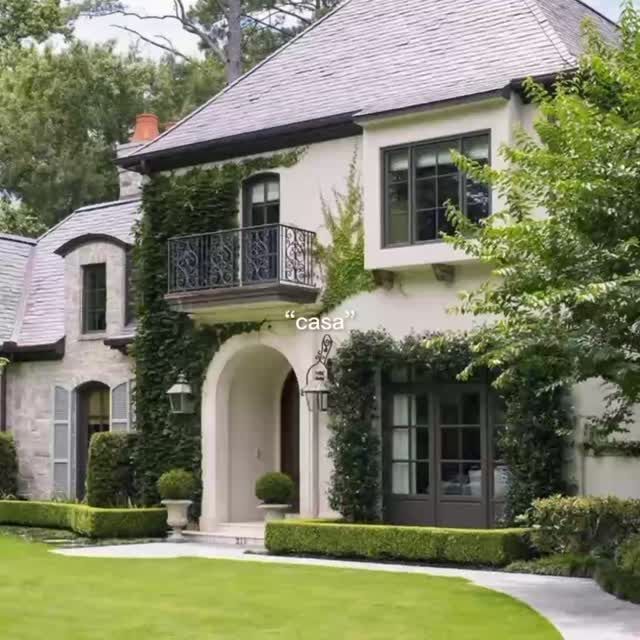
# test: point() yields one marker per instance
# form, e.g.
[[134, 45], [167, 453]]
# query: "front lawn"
[[43, 595]]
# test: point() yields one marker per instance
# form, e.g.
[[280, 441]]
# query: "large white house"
[[398, 84]]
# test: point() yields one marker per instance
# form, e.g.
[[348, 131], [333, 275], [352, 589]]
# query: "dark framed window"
[[94, 298], [262, 200], [130, 289], [420, 179]]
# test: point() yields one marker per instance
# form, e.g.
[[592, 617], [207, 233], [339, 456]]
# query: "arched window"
[[262, 200]]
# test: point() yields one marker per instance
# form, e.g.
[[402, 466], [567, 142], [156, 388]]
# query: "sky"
[[101, 29]]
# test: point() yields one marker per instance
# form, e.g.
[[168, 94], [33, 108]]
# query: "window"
[[262, 200], [94, 298], [130, 290], [421, 179]]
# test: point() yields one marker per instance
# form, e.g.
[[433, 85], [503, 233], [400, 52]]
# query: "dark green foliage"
[[629, 555], [569, 565], [495, 548], [583, 525], [168, 343], [343, 259], [275, 488], [538, 419], [623, 448], [8, 466], [87, 521], [110, 472], [177, 484], [618, 582]]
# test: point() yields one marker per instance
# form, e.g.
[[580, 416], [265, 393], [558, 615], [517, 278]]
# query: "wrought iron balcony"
[[258, 265]]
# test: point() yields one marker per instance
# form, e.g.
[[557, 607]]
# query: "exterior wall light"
[[181, 397], [316, 390]]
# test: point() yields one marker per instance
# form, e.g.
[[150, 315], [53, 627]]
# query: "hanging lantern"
[[316, 390], [181, 397]]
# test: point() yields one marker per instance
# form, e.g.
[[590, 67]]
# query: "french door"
[[439, 456]]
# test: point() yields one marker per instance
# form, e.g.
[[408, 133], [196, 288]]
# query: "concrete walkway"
[[578, 608]]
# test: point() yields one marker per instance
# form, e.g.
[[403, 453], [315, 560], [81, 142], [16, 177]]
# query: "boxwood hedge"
[[617, 581], [494, 548], [86, 521]]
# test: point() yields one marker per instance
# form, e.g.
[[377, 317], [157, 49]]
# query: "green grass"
[[43, 595]]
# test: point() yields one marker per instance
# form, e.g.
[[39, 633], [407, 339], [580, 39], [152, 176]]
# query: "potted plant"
[[176, 488], [276, 491]]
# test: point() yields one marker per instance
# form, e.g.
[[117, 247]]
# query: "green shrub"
[[498, 547], [629, 555], [583, 525], [109, 472], [275, 488], [8, 466], [84, 520], [568, 566], [177, 484], [618, 582]]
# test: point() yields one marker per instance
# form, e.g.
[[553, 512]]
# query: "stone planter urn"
[[177, 517], [274, 511]]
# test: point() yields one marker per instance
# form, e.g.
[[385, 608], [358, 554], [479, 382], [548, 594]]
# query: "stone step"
[[240, 537]]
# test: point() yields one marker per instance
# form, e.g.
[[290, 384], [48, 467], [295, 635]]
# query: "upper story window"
[[262, 200], [419, 181], [130, 289], [94, 298]]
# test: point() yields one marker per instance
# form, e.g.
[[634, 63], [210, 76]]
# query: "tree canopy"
[[35, 19], [565, 247]]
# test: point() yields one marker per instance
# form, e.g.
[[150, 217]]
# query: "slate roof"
[[43, 319], [14, 259], [374, 56]]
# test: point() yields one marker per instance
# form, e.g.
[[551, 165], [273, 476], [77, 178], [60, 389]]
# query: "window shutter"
[[120, 408], [61, 444]]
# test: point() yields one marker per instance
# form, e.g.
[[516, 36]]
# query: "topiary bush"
[[177, 484], [491, 548], [8, 466], [275, 488], [87, 521], [583, 525], [110, 481]]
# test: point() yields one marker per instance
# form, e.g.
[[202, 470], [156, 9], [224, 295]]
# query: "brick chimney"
[[146, 129]]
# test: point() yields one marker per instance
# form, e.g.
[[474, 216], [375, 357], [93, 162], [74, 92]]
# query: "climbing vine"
[[342, 260], [533, 443], [167, 342]]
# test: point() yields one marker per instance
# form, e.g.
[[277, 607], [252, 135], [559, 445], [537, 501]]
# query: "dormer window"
[[262, 200], [94, 298], [419, 181]]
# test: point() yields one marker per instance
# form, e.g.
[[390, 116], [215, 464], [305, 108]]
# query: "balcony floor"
[[250, 303]]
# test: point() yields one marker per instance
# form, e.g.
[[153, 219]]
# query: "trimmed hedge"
[[86, 521], [566, 566], [495, 548], [618, 582], [583, 525], [109, 472], [8, 466], [628, 556]]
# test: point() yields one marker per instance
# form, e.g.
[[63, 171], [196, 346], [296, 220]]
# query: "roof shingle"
[[373, 56]]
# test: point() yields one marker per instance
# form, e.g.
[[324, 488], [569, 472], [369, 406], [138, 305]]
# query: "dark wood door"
[[290, 434]]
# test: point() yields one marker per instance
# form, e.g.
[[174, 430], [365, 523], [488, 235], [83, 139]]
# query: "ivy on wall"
[[533, 445], [615, 448], [343, 259], [167, 342]]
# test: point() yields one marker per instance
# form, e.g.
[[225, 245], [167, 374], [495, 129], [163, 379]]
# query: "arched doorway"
[[93, 416], [290, 434]]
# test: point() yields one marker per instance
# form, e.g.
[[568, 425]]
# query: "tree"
[[18, 220], [228, 30], [567, 285], [37, 19], [61, 115]]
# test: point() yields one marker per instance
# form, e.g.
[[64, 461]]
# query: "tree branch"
[[169, 49]]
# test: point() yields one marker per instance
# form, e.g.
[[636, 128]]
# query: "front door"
[[93, 417], [440, 467], [290, 434]]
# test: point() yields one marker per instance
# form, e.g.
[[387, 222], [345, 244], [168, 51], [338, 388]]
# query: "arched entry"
[[93, 416], [290, 434]]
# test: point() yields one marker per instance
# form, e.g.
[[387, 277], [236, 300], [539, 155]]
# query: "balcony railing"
[[276, 254]]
